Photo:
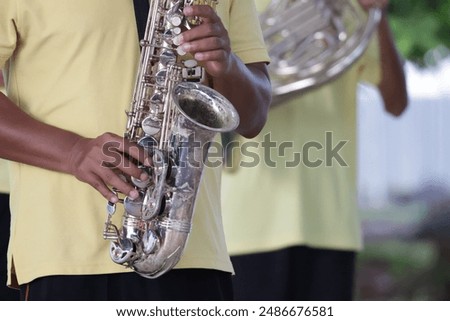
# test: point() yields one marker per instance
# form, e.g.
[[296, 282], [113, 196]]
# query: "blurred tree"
[[420, 26]]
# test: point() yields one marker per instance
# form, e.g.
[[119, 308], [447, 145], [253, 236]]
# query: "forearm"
[[393, 84], [26, 140], [95, 161], [248, 89]]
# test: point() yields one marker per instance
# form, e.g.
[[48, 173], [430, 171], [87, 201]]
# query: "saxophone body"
[[173, 117]]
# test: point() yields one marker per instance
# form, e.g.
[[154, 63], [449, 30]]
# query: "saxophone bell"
[[205, 107]]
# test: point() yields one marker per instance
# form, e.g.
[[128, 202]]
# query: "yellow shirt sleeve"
[[240, 18], [4, 182], [8, 40]]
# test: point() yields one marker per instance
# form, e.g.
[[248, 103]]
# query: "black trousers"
[[176, 285], [6, 294], [294, 274]]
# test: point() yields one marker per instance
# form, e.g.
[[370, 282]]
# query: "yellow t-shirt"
[[296, 184], [4, 182], [72, 64]]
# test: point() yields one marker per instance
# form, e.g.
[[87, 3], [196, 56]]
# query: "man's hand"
[[393, 84], [101, 162], [209, 42]]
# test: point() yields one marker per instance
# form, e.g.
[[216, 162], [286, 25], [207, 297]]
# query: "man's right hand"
[[101, 162]]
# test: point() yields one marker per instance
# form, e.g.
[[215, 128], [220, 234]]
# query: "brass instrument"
[[311, 42], [173, 117]]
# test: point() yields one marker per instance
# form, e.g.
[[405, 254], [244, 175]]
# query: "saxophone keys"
[[149, 143], [190, 63], [144, 43], [176, 31], [175, 19], [121, 252], [196, 74], [160, 77], [157, 98], [139, 183], [177, 39], [110, 208], [167, 57], [175, 15], [133, 207], [181, 51], [150, 242], [171, 36], [150, 126]]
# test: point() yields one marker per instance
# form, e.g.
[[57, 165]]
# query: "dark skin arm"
[[29, 141], [393, 84], [26, 140]]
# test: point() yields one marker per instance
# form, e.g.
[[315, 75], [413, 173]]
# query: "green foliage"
[[420, 26]]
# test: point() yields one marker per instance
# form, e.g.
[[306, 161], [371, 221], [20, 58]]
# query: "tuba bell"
[[311, 42]]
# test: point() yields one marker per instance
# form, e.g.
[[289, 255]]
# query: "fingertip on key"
[[133, 194], [144, 176], [188, 10]]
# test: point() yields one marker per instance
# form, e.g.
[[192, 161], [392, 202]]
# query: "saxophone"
[[173, 117]]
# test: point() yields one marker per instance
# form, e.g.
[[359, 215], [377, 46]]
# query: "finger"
[[97, 183], [205, 31], [209, 28], [110, 178], [133, 150], [138, 153], [207, 13], [118, 146], [212, 55], [129, 168], [207, 44]]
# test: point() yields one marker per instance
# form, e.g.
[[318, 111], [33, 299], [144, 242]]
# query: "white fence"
[[409, 155]]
